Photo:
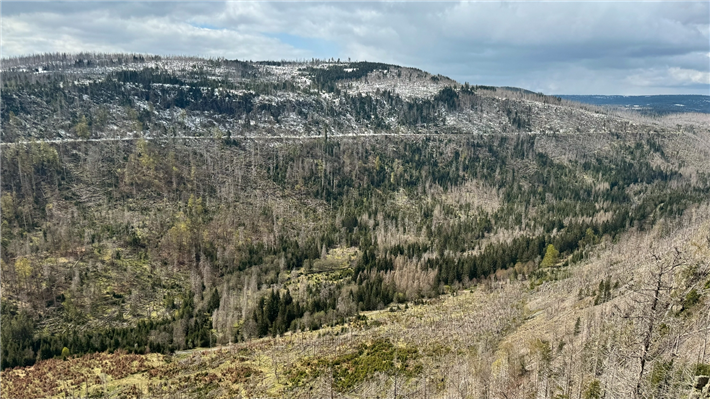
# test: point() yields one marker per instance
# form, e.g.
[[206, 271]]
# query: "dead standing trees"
[[650, 307]]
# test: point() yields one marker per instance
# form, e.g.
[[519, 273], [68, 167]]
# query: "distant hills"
[[661, 104]]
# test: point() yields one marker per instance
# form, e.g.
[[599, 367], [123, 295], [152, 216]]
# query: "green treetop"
[[551, 256]]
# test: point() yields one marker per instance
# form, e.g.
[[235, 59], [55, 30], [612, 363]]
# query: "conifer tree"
[[551, 256]]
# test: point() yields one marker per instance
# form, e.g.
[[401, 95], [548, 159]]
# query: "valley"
[[216, 228]]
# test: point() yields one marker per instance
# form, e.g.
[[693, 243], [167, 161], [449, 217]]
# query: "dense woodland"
[[115, 207], [170, 243]]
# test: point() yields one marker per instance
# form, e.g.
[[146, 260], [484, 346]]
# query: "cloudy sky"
[[553, 47]]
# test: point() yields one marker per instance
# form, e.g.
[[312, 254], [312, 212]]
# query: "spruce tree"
[[551, 256]]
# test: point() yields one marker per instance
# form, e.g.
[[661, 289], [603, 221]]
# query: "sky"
[[632, 48]]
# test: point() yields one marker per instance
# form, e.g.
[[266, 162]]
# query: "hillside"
[[342, 229]]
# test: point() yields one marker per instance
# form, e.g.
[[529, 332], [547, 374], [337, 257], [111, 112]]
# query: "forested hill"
[[341, 228], [56, 97]]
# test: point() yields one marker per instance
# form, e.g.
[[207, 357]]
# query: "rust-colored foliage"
[[239, 374], [54, 376]]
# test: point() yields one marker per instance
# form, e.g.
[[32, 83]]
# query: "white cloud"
[[100, 31], [689, 76], [669, 77], [576, 48]]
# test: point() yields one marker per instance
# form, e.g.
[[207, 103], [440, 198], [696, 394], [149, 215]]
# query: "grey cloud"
[[577, 48]]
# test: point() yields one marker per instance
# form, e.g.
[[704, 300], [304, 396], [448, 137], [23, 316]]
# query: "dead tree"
[[650, 307]]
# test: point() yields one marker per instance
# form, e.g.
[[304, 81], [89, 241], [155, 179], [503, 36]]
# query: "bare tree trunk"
[[662, 271], [705, 339], [646, 345]]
